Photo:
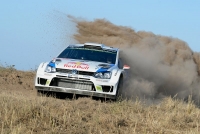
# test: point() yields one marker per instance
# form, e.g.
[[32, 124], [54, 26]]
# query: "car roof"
[[95, 46]]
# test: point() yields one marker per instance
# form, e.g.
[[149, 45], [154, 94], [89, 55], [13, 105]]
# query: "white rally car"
[[87, 69]]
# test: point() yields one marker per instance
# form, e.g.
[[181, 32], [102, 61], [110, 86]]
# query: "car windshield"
[[89, 54]]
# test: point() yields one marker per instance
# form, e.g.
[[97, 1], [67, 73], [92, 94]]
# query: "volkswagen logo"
[[74, 71]]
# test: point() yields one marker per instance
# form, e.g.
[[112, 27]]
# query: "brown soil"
[[13, 80]]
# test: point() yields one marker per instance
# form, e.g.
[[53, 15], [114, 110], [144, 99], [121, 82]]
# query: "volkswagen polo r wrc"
[[85, 69]]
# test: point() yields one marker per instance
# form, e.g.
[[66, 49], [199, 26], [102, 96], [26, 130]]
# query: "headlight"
[[103, 75], [50, 69], [107, 75]]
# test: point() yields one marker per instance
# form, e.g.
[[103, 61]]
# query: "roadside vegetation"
[[25, 114], [22, 111]]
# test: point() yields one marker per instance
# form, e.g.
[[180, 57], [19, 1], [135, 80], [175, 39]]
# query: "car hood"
[[82, 65]]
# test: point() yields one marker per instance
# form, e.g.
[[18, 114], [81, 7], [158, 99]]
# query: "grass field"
[[22, 111]]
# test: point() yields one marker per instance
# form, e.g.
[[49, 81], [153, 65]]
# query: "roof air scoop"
[[94, 46]]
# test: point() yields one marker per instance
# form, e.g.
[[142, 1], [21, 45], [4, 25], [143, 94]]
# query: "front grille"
[[78, 72], [77, 84], [86, 73], [63, 70]]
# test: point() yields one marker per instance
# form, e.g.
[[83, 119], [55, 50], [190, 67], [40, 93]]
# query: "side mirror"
[[126, 67]]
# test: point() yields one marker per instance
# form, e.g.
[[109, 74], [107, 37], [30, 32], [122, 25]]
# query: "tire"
[[119, 89]]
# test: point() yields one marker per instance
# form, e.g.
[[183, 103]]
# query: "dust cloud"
[[160, 66]]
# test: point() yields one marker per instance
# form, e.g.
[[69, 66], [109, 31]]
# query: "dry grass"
[[21, 111], [32, 114]]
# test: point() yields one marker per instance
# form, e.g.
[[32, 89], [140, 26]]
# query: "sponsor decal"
[[77, 65], [101, 80]]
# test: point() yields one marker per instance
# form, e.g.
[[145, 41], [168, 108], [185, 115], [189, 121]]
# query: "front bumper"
[[76, 91], [82, 85]]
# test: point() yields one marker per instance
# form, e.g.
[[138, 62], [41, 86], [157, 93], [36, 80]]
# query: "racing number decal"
[[99, 88]]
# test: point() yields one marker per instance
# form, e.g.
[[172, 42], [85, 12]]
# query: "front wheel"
[[119, 89]]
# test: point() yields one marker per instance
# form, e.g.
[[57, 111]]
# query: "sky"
[[36, 31]]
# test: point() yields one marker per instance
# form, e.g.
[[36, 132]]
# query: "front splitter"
[[76, 91]]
